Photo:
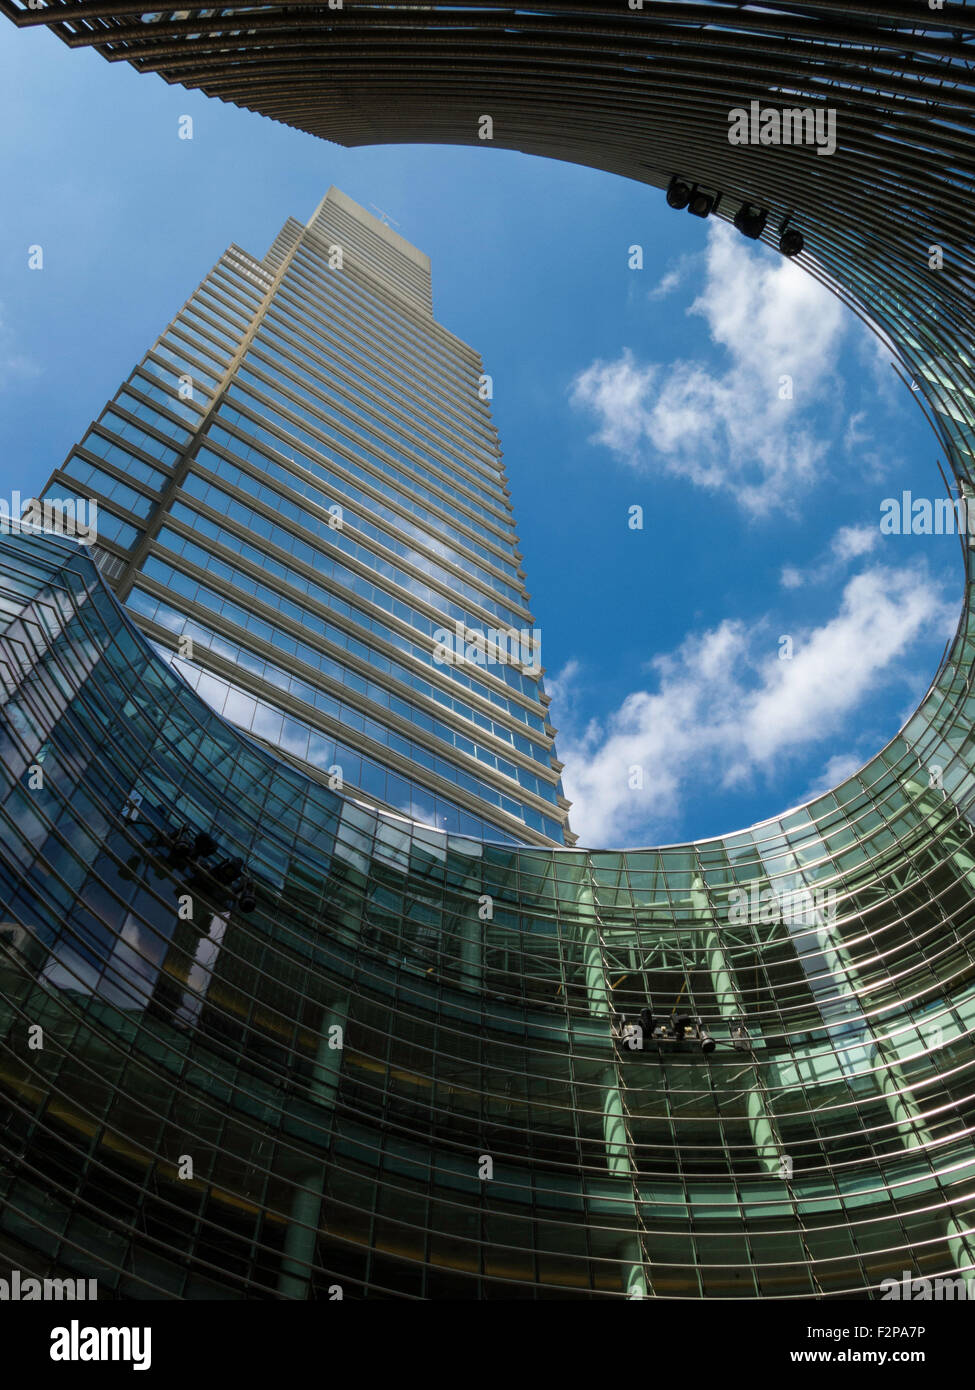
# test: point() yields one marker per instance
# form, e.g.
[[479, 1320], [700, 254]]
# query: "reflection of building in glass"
[[301, 478]]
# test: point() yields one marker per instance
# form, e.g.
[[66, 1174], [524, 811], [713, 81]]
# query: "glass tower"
[[300, 497]]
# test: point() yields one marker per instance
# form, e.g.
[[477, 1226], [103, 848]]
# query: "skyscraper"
[[300, 496]]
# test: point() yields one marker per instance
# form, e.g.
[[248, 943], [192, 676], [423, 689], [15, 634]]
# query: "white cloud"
[[855, 434], [669, 283], [726, 708], [729, 429], [562, 687], [674, 277], [839, 767], [848, 543]]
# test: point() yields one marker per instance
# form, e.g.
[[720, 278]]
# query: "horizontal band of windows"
[[369, 505], [350, 446], [184, 406], [249, 281], [212, 298], [330, 293], [87, 476], [233, 543], [135, 468], [350, 715], [198, 319], [251, 272], [225, 284], [182, 332], [338, 538], [191, 359], [183, 369], [186, 326], [305, 744], [436, 421], [108, 526], [174, 432], [179, 339], [237, 408], [263, 380], [136, 437]]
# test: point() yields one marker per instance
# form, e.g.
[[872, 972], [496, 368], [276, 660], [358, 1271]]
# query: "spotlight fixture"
[[247, 900], [180, 846], [228, 870], [204, 845], [791, 242], [678, 193], [702, 204], [750, 221]]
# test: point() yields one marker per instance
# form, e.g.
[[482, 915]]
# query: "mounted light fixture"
[[791, 240], [703, 204], [228, 870], [247, 900], [678, 193], [204, 845], [751, 221], [180, 846]]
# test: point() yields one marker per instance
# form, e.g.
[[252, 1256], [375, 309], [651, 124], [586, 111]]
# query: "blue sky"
[[614, 388]]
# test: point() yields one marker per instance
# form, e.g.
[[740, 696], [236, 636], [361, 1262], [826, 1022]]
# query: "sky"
[[746, 640]]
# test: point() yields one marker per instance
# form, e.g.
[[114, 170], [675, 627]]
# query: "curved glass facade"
[[406, 1070]]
